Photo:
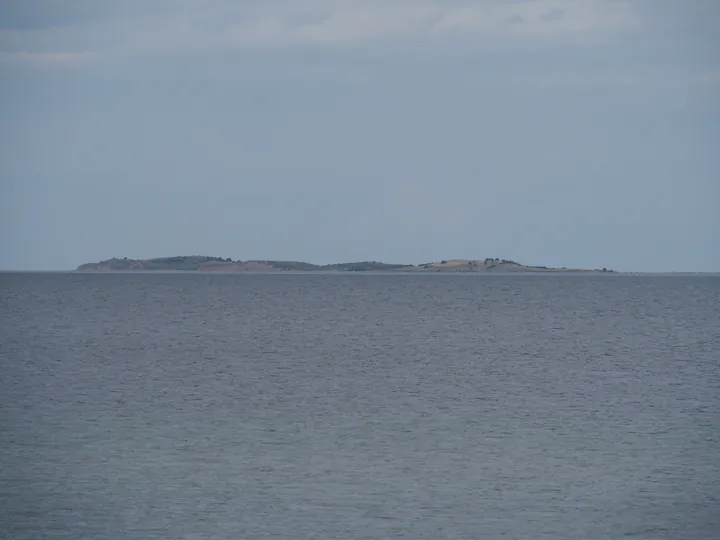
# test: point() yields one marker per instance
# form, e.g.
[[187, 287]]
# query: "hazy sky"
[[559, 132]]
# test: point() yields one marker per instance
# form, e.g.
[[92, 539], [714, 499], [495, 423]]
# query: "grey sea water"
[[195, 406]]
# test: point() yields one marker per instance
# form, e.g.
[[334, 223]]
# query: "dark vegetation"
[[184, 263], [191, 262]]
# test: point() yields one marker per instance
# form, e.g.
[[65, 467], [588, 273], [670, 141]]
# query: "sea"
[[359, 406]]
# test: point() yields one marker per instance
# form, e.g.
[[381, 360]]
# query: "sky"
[[578, 133]]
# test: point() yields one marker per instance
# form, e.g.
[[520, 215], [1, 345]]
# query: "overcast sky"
[[569, 133]]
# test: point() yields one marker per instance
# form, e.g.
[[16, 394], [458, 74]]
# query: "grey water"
[[359, 406]]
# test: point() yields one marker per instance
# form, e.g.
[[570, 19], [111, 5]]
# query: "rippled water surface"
[[193, 406]]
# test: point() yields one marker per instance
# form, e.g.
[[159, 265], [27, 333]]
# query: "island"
[[198, 263]]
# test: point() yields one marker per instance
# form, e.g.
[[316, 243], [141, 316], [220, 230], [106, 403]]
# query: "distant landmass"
[[197, 263]]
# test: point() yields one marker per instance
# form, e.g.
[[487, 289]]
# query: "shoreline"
[[372, 272]]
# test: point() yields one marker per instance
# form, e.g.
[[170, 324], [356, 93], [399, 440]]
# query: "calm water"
[[359, 406]]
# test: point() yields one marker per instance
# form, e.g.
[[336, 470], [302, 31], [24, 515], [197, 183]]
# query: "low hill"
[[183, 263], [198, 263], [492, 265], [201, 263]]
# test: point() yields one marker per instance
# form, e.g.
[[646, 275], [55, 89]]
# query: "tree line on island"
[[205, 263]]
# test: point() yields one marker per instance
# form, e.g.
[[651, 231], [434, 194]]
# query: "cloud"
[[132, 26]]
